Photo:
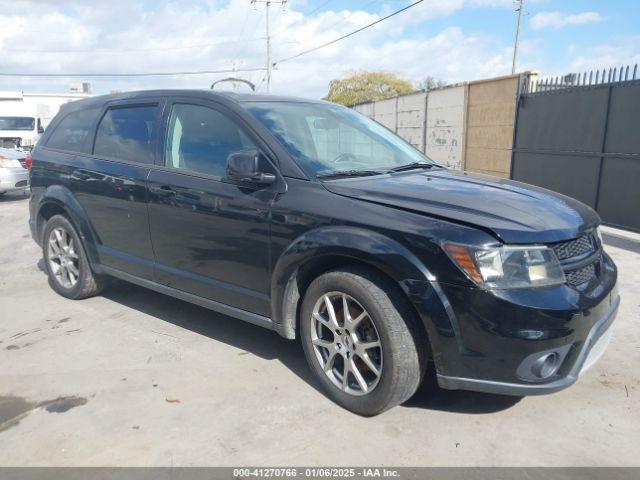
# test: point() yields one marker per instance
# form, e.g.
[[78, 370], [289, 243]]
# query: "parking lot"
[[134, 378]]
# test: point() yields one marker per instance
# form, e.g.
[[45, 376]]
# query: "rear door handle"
[[163, 191]]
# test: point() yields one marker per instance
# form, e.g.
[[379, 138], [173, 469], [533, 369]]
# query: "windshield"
[[327, 138], [17, 123]]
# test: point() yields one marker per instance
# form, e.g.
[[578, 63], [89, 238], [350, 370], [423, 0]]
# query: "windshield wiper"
[[348, 173], [411, 166]]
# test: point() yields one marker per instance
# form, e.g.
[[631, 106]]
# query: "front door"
[[210, 236]]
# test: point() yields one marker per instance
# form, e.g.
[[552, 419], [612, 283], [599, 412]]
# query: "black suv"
[[309, 219]]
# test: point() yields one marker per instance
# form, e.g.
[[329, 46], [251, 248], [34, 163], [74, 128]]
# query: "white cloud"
[[559, 20], [623, 52], [143, 36]]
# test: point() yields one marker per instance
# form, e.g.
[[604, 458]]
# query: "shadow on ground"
[[431, 397], [270, 346], [13, 197]]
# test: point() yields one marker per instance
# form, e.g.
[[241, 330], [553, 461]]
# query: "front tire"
[[66, 262], [370, 359]]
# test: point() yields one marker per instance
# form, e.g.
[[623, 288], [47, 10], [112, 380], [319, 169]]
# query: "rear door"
[[210, 236], [110, 183]]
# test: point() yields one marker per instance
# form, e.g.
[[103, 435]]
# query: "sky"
[[450, 40]]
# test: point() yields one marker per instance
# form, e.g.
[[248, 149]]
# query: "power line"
[[344, 20], [267, 4], [264, 77], [348, 34], [142, 74], [244, 24], [157, 49], [318, 8], [339, 22]]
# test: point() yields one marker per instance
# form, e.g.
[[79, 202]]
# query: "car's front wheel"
[[66, 261], [361, 340]]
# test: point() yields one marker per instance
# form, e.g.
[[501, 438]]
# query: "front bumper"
[[12, 179], [499, 341], [587, 355]]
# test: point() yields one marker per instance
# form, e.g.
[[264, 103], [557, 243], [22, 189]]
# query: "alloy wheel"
[[346, 343], [63, 258]]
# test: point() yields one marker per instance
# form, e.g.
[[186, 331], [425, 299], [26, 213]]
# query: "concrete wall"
[[411, 118], [446, 126], [491, 112], [365, 109], [466, 127], [384, 113]]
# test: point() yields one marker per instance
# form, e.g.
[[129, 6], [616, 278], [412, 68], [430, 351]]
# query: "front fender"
[[63, 198], [364, 246]]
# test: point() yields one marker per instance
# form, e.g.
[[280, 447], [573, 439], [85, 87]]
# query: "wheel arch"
[[59, 200], [328, 248]]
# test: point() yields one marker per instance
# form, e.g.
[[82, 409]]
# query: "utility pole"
[[267, 4], [515, 47]]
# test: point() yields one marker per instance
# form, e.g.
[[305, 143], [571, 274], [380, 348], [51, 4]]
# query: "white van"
[[21, 123]]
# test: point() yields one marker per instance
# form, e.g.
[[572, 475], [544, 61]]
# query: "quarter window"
[[127, 134], [200, 139], [71, 133]]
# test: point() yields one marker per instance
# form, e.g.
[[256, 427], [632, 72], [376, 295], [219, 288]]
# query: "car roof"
[[232, 97]]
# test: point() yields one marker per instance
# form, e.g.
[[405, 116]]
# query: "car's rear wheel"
[[66, 261], [361, 340]]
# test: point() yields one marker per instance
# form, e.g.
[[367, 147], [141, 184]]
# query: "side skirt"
[[195, 299]]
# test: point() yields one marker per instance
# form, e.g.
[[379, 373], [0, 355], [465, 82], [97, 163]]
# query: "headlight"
[[507, 267]]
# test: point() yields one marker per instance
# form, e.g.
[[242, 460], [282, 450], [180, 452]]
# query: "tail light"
[[28, 161]]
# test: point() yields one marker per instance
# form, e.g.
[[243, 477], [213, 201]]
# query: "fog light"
[[546, 365]]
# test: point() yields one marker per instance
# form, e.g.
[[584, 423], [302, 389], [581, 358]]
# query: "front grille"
[[580, 276], [574, 248]]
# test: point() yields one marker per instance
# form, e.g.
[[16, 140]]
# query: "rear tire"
[[66, 262], [391, 372]]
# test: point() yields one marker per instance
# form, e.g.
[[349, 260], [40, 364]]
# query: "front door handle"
[[163, 191]]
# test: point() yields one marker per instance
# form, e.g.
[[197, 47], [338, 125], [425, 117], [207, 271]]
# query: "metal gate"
[[580, 136]]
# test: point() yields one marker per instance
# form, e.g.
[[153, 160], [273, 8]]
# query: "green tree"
[[366, 86], [429, 83]]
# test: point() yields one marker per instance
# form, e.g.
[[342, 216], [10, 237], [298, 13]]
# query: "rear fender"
[[63, 198]]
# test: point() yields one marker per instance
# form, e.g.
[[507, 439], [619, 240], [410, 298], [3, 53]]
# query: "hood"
[[513, 211]]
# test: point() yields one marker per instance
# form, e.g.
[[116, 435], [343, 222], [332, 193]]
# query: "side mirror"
[[40, 127], [243, 167]]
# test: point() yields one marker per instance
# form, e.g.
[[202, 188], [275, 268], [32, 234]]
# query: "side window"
[[127, 133], [72, 131], [200, 139]]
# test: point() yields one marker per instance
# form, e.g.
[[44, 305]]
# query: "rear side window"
[[72, 132], [127, 134]]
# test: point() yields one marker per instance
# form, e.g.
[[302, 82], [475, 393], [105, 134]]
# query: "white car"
[[14, 174]]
